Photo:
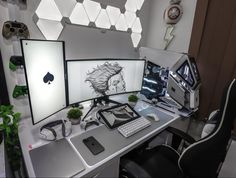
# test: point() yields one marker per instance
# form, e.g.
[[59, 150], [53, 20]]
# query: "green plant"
[[132, 98], [10, 129], [74, 113]]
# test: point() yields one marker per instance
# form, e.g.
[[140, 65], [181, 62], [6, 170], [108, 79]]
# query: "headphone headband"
[[48, 133], [53, 124]]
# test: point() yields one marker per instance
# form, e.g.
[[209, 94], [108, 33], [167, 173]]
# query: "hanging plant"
[[10, 130]]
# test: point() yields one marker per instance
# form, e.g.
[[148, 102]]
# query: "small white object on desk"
[[153, 116]]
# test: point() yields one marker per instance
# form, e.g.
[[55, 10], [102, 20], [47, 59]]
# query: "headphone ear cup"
[[63, 129], [48, 134], [68, 128]]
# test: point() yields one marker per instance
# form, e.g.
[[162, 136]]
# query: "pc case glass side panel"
[[154, 82], [89, 79], [186, 74], [195, 69], [44, 65]]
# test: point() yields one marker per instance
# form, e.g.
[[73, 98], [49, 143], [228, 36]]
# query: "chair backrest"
[[205, 157]]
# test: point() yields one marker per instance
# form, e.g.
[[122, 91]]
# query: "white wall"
[[157, 26], [9, 48], [80, 42], [83, 42]]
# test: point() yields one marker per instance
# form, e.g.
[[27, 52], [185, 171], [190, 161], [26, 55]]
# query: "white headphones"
[[48, 133]]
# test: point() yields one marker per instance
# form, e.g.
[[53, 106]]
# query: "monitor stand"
[[99, 101]]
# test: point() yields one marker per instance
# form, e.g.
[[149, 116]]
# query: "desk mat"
[[112, 140], [56, 159]]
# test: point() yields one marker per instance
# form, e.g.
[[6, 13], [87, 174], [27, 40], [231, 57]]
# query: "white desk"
[[106, 164]]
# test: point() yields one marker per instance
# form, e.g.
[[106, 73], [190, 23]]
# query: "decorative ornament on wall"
[[52, 15], [172, 16]]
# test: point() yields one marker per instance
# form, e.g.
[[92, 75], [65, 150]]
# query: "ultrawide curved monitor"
[[91, 79]]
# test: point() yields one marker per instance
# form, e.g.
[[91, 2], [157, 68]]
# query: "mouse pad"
[[56, 159]]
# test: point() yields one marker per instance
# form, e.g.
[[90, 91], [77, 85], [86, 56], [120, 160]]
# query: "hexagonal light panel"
[[65, 7], [79, 15], [48, 9], [103, 20], [130, 18], [137, 27], [50, 29], [121, 24], [139, 4], [113, 14], [131, 5], [136, 37], [49, 13], [92, 8]]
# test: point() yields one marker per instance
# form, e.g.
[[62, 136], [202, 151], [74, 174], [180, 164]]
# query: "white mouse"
[[153, 116]]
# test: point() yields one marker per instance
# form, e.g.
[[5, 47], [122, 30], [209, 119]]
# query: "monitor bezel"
[[26, 76], [100, 59]]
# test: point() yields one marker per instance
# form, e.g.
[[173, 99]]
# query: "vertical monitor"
[[154, 81], [90, 79], [45, 77]]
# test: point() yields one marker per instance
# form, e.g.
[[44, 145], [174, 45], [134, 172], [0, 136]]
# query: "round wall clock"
[[173, 14]]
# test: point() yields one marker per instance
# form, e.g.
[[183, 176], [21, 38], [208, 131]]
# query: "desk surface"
[[115, 144], [2, 160]]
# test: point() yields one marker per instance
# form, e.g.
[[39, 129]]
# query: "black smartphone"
[[93, 145]]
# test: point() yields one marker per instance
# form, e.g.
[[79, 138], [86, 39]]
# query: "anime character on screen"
[[107, 79]]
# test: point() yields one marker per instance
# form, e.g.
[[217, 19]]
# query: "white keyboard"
[[134, 126]]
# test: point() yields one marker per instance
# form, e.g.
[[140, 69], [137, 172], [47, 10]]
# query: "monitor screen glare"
[[89, 79], [185, 72], [44, 67], [154, 81]]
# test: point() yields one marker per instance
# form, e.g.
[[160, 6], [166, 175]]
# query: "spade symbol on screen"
[[48, 78]]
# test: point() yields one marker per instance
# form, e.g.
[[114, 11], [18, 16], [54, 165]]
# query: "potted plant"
[[74, 115], [9, 127], [132, 100]]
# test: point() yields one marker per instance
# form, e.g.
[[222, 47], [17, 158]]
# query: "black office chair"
[[202, 158]]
